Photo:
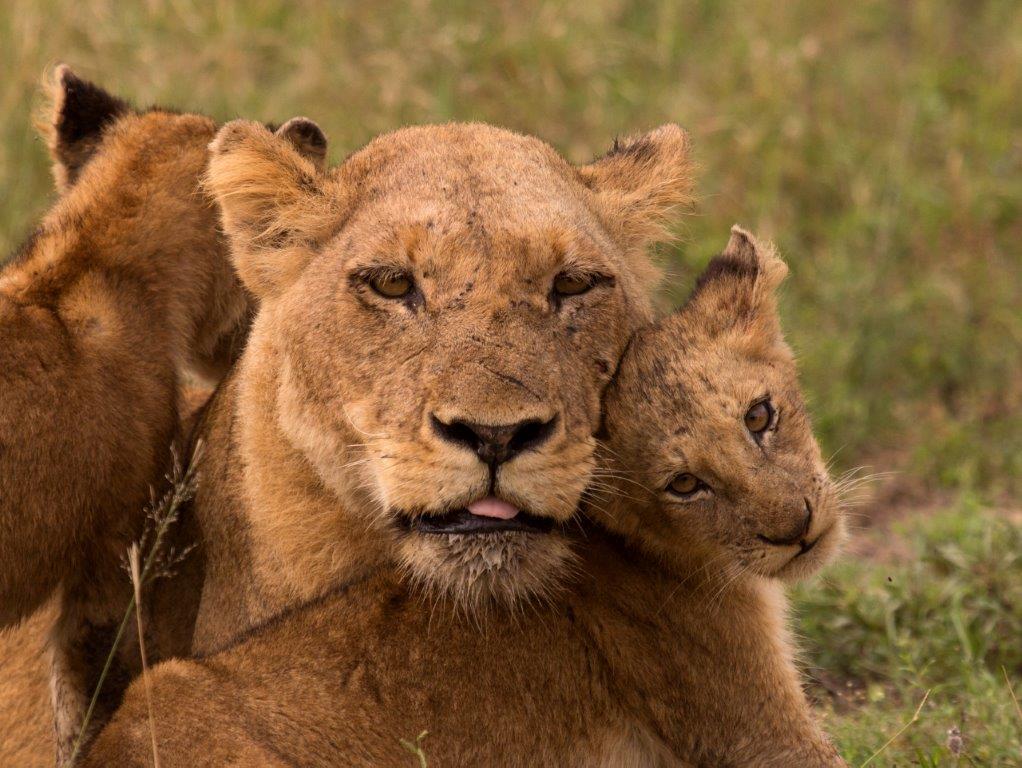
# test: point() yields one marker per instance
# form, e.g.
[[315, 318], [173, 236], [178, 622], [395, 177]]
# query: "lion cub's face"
[[707, 416], [445, 310]]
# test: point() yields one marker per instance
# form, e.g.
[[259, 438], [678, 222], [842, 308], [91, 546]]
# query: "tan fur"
[[124, 285], [705, 366], [122, 294], [652, 655], [26, 714], [322, 443]]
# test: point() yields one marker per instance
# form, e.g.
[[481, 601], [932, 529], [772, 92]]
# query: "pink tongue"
[[491, 506]]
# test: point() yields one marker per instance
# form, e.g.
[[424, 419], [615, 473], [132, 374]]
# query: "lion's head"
[[707, 420], [440, 316]]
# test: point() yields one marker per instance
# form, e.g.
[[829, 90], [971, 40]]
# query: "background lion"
[[122, 295]]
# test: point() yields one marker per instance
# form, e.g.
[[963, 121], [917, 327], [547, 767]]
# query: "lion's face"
[[708, 415], [444, 346]]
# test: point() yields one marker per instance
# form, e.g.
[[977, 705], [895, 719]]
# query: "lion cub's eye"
[[759, 417], [684, 484], [392, 285], [571, 285]]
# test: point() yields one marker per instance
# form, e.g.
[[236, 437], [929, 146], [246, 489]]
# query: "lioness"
[[667, 648], [439, 316], [123, 291], [528, 269]]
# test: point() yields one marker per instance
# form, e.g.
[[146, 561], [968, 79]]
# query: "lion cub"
[[715, 473], [667, 649]]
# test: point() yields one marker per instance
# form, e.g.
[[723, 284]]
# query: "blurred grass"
[[877, 142], [947, 619]]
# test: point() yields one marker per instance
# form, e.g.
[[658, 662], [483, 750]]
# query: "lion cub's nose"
[[498, 443], [798, 534]]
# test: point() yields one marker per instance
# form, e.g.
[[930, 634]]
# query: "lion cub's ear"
[[738, 290], [640, 182], [72, 122], [276, 206]]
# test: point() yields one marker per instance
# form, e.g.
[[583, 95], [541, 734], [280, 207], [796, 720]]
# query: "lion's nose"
[[495, 444], [797, 535]]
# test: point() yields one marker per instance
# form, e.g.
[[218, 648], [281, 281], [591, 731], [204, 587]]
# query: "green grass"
[[877, 142], [947, 620]]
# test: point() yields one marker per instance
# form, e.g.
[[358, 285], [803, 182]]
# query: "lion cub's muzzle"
[[799, 530], [809, 540]]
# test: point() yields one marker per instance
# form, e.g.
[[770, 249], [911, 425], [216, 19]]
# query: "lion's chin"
[[478, 570]]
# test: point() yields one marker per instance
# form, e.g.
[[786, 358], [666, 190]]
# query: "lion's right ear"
[[276, 206], [74, 117], [306, 137]]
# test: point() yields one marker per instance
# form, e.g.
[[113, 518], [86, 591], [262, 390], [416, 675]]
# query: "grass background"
[[879, 144]]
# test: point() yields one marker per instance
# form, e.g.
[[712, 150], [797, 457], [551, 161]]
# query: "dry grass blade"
[[905, 727], [136, 582], [416, 748], [161, 516], [1011, 692]]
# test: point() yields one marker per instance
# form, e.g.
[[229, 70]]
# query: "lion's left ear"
[[640, 183], [738, 290]]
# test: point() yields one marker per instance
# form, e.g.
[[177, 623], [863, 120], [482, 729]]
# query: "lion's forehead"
[[464, 150], [686, 403], [441, 211], [458, 169]]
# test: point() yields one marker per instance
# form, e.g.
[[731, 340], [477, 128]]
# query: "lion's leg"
[[82, 643], [26, 718]]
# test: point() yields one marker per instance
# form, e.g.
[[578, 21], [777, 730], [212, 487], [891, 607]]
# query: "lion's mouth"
[[487, 550], [462, 522], [808, 555]]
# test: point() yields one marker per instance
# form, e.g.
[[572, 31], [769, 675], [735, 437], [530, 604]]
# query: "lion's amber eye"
[[758, 417], [571, 285], [684, 484], [393, 285]]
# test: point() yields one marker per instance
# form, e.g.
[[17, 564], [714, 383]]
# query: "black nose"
[[798, 535], [496, 444]]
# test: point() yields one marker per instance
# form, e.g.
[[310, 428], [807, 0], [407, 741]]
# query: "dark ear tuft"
[[640, 182], [80, 111], [307, 137], [738, 288], [724, 267], [742, 262], [641, 150]]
